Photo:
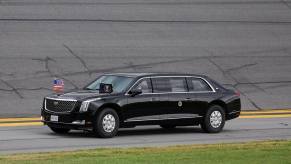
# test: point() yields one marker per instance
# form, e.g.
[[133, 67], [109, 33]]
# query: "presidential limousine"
[[123, 100]]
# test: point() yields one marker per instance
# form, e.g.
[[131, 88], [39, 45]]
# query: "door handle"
[[154, 99], [188, 99]]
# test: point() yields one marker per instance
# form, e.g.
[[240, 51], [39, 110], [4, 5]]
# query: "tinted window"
[[173, 84], [197, 85], [161, 85], [178, 84], [144, 85]]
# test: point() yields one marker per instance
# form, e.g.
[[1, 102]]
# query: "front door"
[[141, 107]]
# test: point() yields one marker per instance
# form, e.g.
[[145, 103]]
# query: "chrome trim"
[[234, 112], [59, 99], [160, 119], [62, 123], [212, 88], [79, 122], [174, 92]]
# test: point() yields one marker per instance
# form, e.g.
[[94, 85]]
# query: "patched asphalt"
[[243, 44]]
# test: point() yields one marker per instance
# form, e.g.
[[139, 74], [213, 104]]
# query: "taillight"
[[237, 93]]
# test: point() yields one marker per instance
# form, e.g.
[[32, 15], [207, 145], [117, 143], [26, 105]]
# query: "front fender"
[[94, 107]]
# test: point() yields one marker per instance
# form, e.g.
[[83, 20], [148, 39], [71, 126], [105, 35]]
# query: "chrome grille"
[[60, 106]]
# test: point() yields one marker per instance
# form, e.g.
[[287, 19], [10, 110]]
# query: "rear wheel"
[[168, 127], [60, 130], [106, 123], [214, 119]]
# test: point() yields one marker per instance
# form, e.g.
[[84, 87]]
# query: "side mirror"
[[105, 88], [135, 92]]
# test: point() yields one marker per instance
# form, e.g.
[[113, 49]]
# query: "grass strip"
[[252, 152]]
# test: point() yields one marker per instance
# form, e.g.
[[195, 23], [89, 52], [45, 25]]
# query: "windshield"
[[119, 83]]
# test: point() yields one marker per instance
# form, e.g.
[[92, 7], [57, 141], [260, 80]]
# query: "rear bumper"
[[233, 115], [233, 108]]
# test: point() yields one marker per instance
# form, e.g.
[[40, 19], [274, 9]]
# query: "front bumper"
[[68, 125], [68, 120]]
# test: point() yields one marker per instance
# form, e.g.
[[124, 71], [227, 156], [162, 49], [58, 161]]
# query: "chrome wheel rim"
[[215, 119], [108, 123]]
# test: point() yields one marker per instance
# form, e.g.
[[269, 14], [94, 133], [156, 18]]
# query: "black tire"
[[206, 122], [60, 130], [99, 130], [168, 127]]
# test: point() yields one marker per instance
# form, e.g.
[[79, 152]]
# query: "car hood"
[[80, 95]]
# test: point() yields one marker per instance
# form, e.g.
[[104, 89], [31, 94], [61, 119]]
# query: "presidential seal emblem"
[[180, 103]]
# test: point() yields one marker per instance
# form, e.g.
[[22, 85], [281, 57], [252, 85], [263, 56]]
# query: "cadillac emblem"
[[56, 103]]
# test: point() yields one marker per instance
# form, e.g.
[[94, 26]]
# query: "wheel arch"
[[113, 106], [221, 104]]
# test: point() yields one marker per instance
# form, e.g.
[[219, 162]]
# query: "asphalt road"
[[40, 138], [244, 44]]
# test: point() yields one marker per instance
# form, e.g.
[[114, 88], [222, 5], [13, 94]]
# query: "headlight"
[[85, 104]]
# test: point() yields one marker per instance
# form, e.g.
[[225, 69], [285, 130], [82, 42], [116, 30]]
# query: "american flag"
[[58, 85]]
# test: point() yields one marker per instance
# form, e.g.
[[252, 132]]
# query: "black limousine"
[[123, 100]]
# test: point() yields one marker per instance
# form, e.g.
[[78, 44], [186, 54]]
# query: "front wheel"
[[60, 130], [214, 119], [106, 123]]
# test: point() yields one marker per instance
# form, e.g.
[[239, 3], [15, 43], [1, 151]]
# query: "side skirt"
[[174, 119]]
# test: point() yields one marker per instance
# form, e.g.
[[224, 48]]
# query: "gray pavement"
[[39, 139], [244, 44]]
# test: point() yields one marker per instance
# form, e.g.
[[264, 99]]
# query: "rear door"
[[199, 96], [173, 94], [179, 99]]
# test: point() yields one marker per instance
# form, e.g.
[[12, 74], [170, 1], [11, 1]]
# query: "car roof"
[[139, 75]]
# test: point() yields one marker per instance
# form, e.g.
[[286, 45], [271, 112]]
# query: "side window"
[[145, 86], [178, 84], [172, 84], [198, 85], [161, 85]]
